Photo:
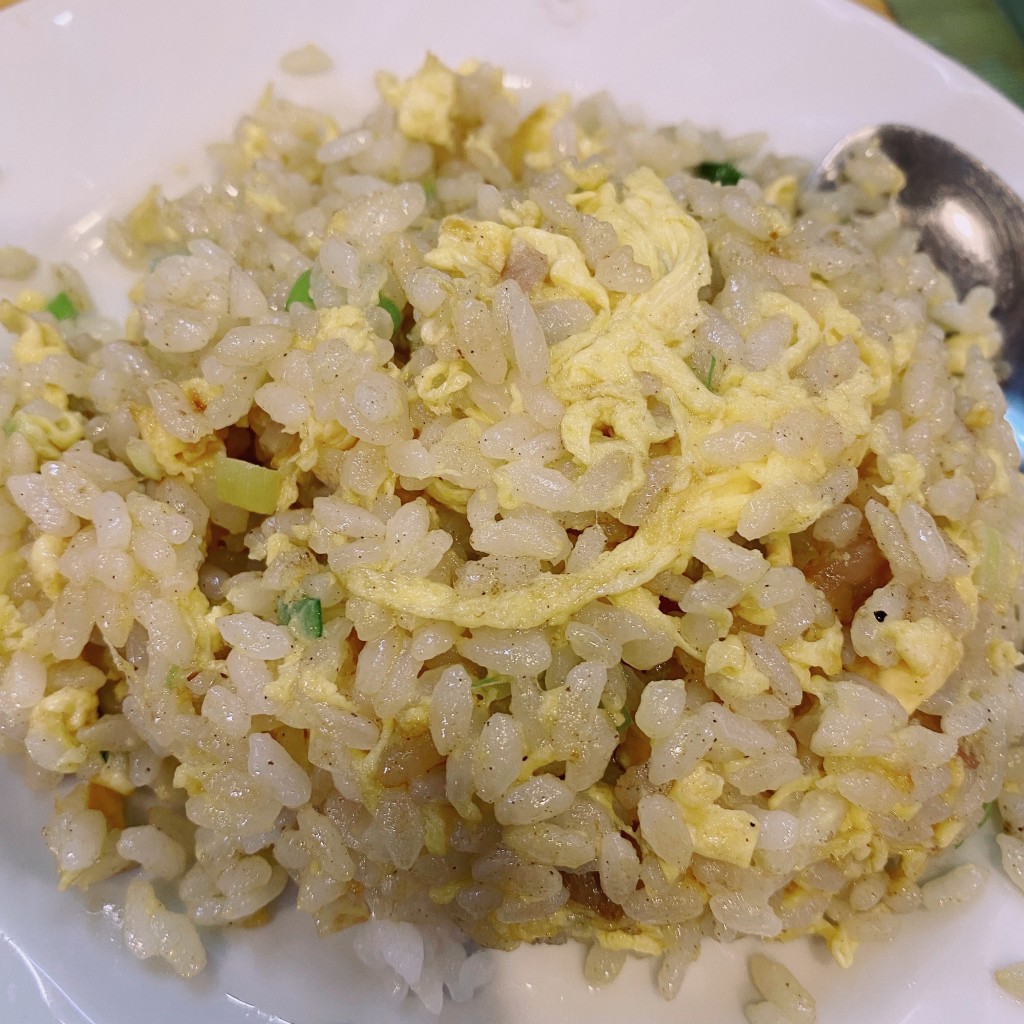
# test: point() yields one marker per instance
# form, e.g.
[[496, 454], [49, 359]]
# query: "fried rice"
[[493, 528]]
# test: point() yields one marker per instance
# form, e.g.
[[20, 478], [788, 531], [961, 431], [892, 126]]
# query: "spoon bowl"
[[971, 224]]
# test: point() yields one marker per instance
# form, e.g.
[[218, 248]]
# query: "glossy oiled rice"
[[632, 558]]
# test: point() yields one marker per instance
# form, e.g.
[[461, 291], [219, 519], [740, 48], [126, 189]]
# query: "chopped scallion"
[[62, 307], [709, 381], [246, 485], [300, 292], [309, 615], [305, 617], [171, 680], [392, 311], [10, 426], [723, 173], [494, 686]]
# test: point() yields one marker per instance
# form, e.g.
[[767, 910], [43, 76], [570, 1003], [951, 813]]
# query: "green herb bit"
[[392, 311], [430, 188], [723, 173], [709, 380], [173, 673], [501, 686], [300, 291], [627, 720], [10, 426], [310, 616], [62, 307], [246, 485], [305, 617]]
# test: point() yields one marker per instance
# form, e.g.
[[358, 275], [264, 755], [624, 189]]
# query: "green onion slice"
[[723, 173], [709, 383], [62, 307], [300, 291], [392, 311], [305, 617], [245, 485], [493, 687]]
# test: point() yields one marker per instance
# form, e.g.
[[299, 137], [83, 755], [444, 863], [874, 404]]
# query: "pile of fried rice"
[[493, 528]]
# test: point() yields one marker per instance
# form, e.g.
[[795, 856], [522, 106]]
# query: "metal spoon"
[[971, 224]]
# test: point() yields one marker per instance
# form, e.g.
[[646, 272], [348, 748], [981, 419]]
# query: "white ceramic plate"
[[99, 98]]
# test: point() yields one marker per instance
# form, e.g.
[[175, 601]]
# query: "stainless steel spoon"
[[971, 224]]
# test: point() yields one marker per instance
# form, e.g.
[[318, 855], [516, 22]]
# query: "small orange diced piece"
[[108, 803]]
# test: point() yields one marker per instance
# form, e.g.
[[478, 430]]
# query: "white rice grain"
[[1011, 980], [273, 765], [779, 986]]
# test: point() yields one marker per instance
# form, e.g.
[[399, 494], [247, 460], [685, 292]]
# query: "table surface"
[[876, 5]]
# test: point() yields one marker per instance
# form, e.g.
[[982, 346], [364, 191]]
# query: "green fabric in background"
[[986, 35], [1014, 10]]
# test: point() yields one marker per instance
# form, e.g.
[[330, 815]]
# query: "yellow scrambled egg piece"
[[719, 833], [348, 323], [906, 476], [163, 454], [48, 436], [735, 674], [928, 654], [424, 102], [11, 626], [55, 722], [531, 144], [54, 431], [823, 652], [36, 340], [1003, 657], [43, 561], [440, 382]]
